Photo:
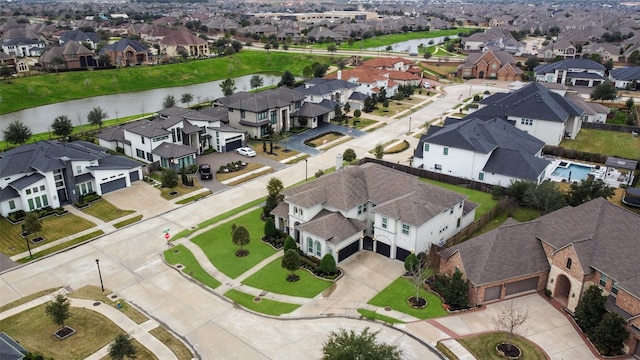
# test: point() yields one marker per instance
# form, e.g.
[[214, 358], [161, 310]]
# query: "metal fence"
[[611, 127]]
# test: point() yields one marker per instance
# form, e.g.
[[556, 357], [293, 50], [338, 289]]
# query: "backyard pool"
[[571, 171]]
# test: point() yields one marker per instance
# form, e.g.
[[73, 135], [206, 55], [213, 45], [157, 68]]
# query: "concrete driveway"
[[296, 142]]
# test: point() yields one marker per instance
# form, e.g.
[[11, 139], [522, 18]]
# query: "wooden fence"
[[611, 127]]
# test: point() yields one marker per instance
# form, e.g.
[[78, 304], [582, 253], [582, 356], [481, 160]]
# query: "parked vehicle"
[[205, 172], [246, 151]]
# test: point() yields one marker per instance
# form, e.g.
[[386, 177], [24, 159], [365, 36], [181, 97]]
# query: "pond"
[[38, 119], [411, 46]]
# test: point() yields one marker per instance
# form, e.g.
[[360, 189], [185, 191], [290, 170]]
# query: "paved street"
[[132, 266]]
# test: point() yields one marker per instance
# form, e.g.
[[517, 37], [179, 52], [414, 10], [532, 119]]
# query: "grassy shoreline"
[[385, 40], [27, 92]]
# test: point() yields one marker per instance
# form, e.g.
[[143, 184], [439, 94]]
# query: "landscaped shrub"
[[309, 141], [289, 243], [328, 264], [349, 155], [476, 97], [16, 216], [269, 228], [319, 173]]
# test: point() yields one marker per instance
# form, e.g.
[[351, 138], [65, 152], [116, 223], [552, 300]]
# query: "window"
[[385, 223], [603, 280], [150, 156], [298, 104], [426, 147], [481, 176], [263, 115], [318, 249], [243, 114], [79, 169], [494, 66], [160, 138], [438, 167], [12, 204], [274, 117], [295, 210], [140, 153], [142, 139], [35, 189], [57, 176], [42, 188], [31, 206], [309, 245], [45, 201], [28, 191], [406, 229], [445, 151], [525, 121], [614, 288], [300, 211], [569, 261], [362, 208], [458, 223]]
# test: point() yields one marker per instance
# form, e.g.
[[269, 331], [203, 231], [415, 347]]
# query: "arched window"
[[318, 249], [295, 210], [300, 211], [569, 263], [310, 245]]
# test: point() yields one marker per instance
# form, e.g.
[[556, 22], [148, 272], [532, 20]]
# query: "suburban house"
[[491, 64], [371, 207], [173, 139], [536, 110], [577, 72], [322, 96], [607, 51], [391, 63], [593, 112], [8, 61], [369, 80], [625, 77], [90, 40], [126, 52], [562, 48], [176, 42], [22, 42], [492, 151], [52, 173], [565, 252], [71, 55], [253, 113]]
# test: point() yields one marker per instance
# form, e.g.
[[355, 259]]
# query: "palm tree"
[[96, 115]]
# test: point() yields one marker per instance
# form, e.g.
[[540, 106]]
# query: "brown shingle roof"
[[333, 226]]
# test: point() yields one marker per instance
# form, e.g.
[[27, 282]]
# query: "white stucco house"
[[536, 110], [577, 72], [492, 151], [371, 207], [52, 173]]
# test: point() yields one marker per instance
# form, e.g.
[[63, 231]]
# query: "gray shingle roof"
[[325, 86], [173, 151], [628, 73], [567, 64], [311, 110], [79, 36], [532, 101], [264, 100], [122, 45], [515, 163], [333, 226], [25, 181], [43, 156]]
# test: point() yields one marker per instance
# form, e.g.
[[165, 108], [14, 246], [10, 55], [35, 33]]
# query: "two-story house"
[[492, 151], [51, 173], [71, 55], [562, 48], [369, 80], [626, 77], [371, 207], [126, 52], [577, 72], [565, 252], [536, 110], [89, 40], [496, 64], [255, 112]]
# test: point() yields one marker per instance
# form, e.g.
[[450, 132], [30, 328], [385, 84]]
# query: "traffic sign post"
[[167, 236]]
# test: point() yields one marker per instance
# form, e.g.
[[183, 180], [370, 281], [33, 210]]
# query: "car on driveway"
[[205, 172], [246, 151]]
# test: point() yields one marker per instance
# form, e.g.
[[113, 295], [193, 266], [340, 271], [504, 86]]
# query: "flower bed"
[[232, 166], [17, 216]]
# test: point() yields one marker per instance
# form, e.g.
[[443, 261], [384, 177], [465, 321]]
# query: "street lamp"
[[409, 123], [100, 275], [306, 169]]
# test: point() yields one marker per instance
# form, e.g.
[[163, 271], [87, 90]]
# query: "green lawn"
[[220, 250], [264, 306], [64, 245], [181, 255], [484, 346], [45, 89], [274, 278], [105, 211], [128, 221], [394, 38], [53, 228], [396, 294], [372, 315], [619, 117], [520, 214], [218, 218], [605, 142], [483, 199]]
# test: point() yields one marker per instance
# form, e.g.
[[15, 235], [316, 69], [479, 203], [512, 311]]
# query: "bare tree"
[[510, 318], [417, 273]]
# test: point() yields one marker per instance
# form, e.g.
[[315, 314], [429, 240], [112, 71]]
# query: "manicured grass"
[[280, 150], [194, 197], [361, 122], [605, 142], [131, 220], [34, 330], [619, 117], [218, 218], [372, 315], [180, 189], [64, 245], [220, 250], [53, 228], [325, 139], [26, 299], [520, 214], [39, 90], [483, 199], [181, 255], [484, 346], [229, 175], [446, 352], [394, 38], [90, 292], [393, 108], [396, 294], [176, 346], [264, 306], [274, 278], [105, 211], [267, 170]]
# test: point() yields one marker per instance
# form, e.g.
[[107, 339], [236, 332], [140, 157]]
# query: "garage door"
[[134, 176], [383, 249], [232, 145], [637, 352], [522, 286], [113, 185], [582, 82], [492, 293], [349, 250], [401, 253]]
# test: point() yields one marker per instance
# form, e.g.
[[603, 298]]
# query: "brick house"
[[565, 252], [494, 64], [126, 52], [74, 54]]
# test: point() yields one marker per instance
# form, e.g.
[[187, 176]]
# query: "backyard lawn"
[[520, 214], [483, 199], [612, 143], [396, 294], [484, 346], [105, 211], [53, 228], [273, 278], [264, 306], [181, 255], [220, 250]]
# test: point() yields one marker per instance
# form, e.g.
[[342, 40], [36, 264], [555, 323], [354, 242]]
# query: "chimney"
[[339, 75]]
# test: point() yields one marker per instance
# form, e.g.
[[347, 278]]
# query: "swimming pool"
[[572, 172]]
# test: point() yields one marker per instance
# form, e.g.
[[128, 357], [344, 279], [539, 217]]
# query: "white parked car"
[[246, 151]]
